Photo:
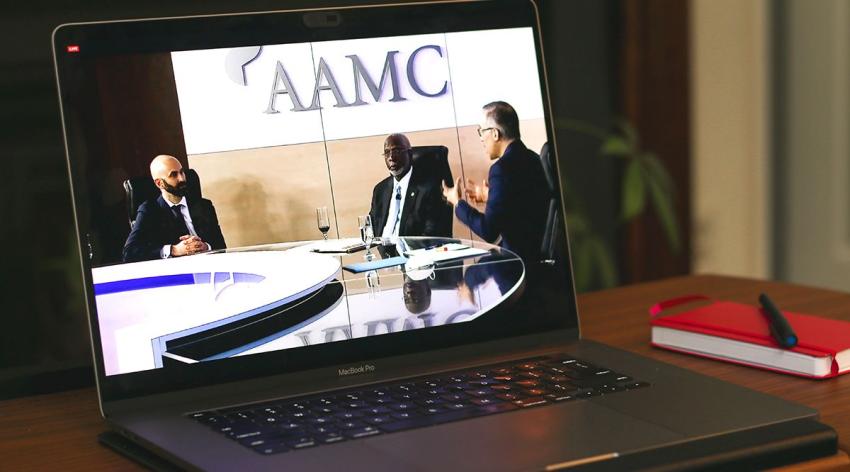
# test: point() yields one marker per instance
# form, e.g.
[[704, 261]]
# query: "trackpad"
[[529, 439]]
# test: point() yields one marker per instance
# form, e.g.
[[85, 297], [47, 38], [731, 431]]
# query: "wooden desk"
[[47, 431]]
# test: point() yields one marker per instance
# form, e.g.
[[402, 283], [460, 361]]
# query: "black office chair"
[[140, 189], [550, 233], [433, 162]]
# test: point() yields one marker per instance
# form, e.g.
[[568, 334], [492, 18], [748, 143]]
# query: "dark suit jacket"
[[156, 226], [420, 215], [517, 204]]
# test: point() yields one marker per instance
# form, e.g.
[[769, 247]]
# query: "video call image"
[[255, 199]]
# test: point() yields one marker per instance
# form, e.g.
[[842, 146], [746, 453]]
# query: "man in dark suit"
[[518, 195], [405, 203], [172, 225]]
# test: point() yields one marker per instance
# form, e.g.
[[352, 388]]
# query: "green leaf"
[[576, 224], [630, 133], [633, 190], [615, 146], [603, 261], [656, 170], [663, 204]]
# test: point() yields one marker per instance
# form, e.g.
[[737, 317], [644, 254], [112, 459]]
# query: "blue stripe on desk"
[[160, 281]]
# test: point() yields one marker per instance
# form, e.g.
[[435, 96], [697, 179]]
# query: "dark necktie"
[[178, 219]]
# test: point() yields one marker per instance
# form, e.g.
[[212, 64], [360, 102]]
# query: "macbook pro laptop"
[[268, 324]]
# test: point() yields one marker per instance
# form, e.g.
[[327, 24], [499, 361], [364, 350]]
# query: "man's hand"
[[477, 193], [188, 245], [452, 195]]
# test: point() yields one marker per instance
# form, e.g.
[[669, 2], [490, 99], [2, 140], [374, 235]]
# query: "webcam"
[[322, 19]]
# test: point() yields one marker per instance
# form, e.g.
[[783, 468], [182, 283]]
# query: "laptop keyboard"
[[302, 422]]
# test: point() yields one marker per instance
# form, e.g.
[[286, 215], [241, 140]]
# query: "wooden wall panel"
[[269, 195]]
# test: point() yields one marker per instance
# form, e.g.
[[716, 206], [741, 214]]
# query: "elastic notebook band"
[[654, 310]]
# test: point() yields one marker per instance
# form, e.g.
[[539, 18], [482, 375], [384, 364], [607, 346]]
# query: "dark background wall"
[[44, 343], [141, 95]]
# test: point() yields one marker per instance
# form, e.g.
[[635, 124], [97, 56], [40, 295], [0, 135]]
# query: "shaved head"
[[162, 164], [168, 176]]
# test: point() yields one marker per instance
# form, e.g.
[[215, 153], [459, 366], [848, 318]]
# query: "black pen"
[[779, 326]]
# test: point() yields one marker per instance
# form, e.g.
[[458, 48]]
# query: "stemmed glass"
[[322, 221], [366, 233]]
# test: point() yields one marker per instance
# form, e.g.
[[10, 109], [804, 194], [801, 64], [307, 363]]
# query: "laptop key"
[[301, 443], [484, 401], [351, 425], [402, 406], [269, 449], [254, 442], [434, 410], [362, 432], [406, 415], [559, 397], [456, 406], [431, 420], [349, 415], [454, 397], [497, 407], [378, 410], [377, 420], [508, 396], [529, 402], [329, 438]]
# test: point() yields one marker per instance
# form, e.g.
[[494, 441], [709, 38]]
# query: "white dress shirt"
[[165, 253], [392, 226]]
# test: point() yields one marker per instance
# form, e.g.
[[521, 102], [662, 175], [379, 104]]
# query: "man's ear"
[[157, 183], [497, 133]]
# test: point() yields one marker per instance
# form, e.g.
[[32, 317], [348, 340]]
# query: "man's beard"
[[178, 190]]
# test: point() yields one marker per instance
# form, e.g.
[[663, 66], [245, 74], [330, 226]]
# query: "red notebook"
[[739, 333]]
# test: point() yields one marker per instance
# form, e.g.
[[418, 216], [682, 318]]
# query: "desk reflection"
[[297, 297]]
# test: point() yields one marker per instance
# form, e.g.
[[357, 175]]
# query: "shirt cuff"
[[165, 252]]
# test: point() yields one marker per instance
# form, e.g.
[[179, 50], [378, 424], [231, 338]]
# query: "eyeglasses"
[[482, 130], [395, 152]]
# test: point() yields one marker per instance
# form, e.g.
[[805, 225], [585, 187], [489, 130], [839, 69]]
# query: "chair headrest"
[[433, 161], [548, 162]]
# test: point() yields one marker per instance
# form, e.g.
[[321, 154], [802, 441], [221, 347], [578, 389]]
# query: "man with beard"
[[406, 203], [172, 225]]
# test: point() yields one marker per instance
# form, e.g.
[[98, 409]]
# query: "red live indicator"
[[73, 48]]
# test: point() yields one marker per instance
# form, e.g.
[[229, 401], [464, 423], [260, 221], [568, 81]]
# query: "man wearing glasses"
[[517, 198], [405, 204]]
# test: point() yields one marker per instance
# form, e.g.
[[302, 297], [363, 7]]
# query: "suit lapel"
[[383, 210], [175, 228], [409, 205]]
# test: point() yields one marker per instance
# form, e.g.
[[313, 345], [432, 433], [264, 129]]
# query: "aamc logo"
[[238, 59]]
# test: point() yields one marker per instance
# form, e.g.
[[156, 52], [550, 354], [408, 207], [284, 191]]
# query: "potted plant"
[[645, 184]]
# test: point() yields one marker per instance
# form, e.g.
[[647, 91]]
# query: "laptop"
[[285, 329]]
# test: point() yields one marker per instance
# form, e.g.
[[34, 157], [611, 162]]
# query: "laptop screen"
[[311, 198]]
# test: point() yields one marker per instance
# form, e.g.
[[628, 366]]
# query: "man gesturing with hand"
[[515, 194]]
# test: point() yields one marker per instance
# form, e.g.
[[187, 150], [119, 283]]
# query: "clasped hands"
[[188, 245], [474, 193]]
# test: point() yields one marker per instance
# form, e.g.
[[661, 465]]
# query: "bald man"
[[406, 203], [172, 225]]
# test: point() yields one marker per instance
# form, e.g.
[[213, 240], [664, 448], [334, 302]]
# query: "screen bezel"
[[186, 33]]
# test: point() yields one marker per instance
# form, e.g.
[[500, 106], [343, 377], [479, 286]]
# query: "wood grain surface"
[[60, 430]]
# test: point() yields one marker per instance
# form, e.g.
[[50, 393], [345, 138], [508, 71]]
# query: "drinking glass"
[[322, 221], [366, 233]]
